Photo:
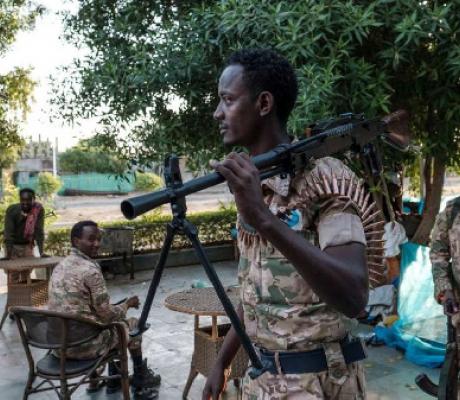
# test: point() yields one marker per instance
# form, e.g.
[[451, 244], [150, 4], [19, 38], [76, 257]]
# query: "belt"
[[303, 362]]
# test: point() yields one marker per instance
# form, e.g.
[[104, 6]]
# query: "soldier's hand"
[[449, 303], [215, 384], [243, 179], [133, 302]]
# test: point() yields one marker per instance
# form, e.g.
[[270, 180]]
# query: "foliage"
[[16, 86], [350, 56], [89, 156], [147, 181], [230, 206], [47, 184], [213, 228], [153, 67], [10, 196]]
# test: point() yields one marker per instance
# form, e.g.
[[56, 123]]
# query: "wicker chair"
[[56, 332], [117, 243]]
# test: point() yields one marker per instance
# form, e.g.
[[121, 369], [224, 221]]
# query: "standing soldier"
[[302, 269], [445, 257]]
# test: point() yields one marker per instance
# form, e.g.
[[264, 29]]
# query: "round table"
[[207, 340]]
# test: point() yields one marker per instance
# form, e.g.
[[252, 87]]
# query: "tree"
[[153, 67], [89, 156], [16, 86]]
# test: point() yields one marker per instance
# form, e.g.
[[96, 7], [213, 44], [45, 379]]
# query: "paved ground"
[[169, 344]]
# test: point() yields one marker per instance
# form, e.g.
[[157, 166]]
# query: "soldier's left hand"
[[243, 179], [133, 302]]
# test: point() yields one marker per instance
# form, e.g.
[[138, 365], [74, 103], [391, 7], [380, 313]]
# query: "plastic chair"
[[56, 332]]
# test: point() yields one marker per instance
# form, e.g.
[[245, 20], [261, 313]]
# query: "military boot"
[[145, 393], [114, 385], [144, 377]]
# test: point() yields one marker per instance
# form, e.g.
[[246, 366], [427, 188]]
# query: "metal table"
[[27, 291], [208, 339]]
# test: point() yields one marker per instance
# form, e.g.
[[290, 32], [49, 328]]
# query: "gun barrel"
[[135, 206]]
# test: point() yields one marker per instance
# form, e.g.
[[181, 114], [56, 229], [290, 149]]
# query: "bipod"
[[180, 225]]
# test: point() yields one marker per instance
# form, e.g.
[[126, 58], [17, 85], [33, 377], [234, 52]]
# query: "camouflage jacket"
[[445, 247], [281, 311], [77, 286]]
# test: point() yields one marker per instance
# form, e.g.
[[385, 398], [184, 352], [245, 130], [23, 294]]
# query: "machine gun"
[[348, 132]]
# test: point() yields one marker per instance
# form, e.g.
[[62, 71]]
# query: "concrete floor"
[[168, 345]]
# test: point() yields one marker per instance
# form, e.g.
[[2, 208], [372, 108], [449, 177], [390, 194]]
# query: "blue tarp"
[[421, 328], [420, 204]]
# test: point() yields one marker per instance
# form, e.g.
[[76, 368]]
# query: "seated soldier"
[[77, 286]]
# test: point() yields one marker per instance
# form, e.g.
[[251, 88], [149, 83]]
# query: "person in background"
[[24, 228]]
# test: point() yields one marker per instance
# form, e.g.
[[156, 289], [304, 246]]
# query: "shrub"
[[47, 185], [147, 182], [214, 227]]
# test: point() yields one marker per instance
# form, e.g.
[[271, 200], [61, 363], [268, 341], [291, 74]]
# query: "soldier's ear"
[[265, 102]]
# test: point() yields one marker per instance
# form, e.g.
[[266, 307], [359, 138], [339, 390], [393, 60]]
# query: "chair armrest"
[[121, 329]]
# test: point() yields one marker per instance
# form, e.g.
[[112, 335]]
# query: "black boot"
[[144, 377], [145, 393], [114, 385]]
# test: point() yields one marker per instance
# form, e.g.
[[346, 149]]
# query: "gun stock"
[[447, 389], [448, 378], [426, 385]]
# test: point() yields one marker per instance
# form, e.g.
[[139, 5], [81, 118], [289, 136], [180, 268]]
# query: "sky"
[[44, 51]]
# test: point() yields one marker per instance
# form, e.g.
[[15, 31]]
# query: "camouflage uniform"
[[281, 311], [78, 287], [445, 259], [445, 246]]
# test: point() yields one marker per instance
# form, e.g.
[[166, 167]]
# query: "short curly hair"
[[77, 229], [265, 69], [27, 191]]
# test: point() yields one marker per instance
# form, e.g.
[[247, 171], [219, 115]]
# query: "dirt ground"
[[71, 209]]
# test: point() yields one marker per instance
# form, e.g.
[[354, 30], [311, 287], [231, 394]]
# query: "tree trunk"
[[434, 171]]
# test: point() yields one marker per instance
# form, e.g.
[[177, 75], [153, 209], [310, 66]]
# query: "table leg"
[[191, 377], [214, 330], [5, 314]]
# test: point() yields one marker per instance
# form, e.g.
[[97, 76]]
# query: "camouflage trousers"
[[310, 386], [105, 341], [456, 324]]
